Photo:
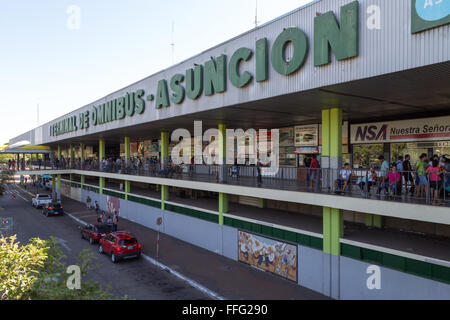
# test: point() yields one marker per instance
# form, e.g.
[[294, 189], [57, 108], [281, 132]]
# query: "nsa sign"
[[428, 14]]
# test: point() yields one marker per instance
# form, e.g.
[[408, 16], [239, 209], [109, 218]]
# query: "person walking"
[[115, 221]]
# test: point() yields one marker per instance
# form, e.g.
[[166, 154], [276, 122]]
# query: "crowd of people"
[[427, 178]]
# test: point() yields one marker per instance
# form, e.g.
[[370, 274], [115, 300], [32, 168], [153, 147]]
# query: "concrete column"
[[71, 155], [83, 153], [101, 155], [333, 223], [58, 188], [54, 197]]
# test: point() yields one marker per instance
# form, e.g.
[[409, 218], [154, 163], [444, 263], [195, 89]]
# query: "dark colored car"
[[53, 209], [120, 245], [95, 232]]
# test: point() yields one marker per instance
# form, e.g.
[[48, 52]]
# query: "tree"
[[37, 271], [20, 266]]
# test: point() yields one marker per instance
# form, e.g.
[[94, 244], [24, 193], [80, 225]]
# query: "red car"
[[94, 232], [120, 245]]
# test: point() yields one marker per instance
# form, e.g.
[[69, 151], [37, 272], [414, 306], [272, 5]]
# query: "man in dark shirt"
[[407, 173], [314, 166]]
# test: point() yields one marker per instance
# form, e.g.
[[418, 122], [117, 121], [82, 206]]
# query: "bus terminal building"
[[220, 146]]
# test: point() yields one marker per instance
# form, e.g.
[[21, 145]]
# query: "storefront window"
[[366, 155], [440, 148], [413, 149]]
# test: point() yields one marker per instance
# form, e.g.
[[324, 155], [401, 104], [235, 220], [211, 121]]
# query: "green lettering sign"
[[239, 81], [343, 39], [299, 43]]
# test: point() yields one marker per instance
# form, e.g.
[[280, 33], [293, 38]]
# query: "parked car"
[[95, 232], [52, 209], [40, 200], [120, 245]]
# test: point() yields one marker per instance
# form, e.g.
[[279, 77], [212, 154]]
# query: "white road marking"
[[63, 243]]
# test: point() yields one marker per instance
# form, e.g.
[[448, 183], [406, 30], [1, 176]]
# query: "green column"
[[83, 181], [164, 148], [333, 222], [59, 152], [127, 150], [223, 206], [127, 189], [164, 196], [101, 149], [164, 161], [261, 203], [101, 184], [223, 197]]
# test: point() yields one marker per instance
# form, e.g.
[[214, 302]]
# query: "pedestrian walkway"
[[228, 278]]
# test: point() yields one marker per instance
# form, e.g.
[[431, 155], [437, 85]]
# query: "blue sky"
[[45, 62]]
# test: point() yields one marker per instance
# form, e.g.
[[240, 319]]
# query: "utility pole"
[[256, 14], [173, 43]]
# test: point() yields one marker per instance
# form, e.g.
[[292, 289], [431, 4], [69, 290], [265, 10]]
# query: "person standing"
[[435, 172], [115, 220], [383, 173], [407, 174], [314, 166], [422, 182]]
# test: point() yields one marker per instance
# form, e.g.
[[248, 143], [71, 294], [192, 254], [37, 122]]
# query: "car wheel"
[[113, 258], [100, 249], [91, 241], [138, 255], [82, 236]]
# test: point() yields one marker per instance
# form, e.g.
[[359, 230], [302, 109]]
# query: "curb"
[[191, 282]]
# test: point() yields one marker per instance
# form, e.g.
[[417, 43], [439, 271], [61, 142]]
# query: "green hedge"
[[407, 265]]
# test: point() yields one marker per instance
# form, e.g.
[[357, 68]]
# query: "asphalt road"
[[136, 279]]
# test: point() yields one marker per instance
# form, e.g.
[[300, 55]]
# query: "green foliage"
[[37, 271], [20, 266]]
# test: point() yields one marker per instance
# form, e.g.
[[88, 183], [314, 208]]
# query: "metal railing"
[[403, 186]]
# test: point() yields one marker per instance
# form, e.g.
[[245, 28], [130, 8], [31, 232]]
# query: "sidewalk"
[[228, 278]]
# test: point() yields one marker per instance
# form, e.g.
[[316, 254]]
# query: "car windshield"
[[127, 241], [44, 196]]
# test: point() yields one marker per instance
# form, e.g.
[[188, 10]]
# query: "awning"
[[14, 149]]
